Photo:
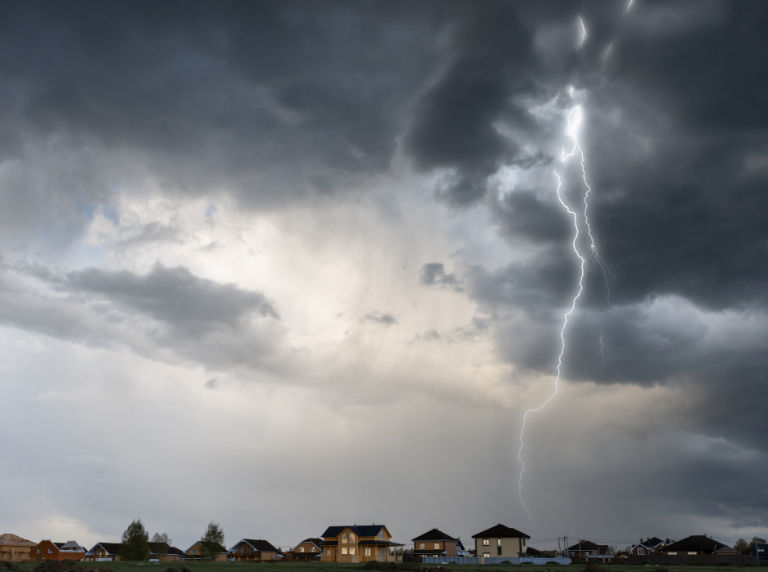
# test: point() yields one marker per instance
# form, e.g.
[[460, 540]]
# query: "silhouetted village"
[[373, 543]]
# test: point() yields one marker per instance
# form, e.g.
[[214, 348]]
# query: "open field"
[[332, 567]]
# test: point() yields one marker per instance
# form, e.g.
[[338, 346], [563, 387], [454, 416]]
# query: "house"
[[500, 540], [202, 550], [586, 549], [253, 550], [14, 548], [695, 545], [534, 553], [358, 543], [47, 550], [436, 543], [648, 546], [761, 553], [307, 549], [104, 552], [164, 553]]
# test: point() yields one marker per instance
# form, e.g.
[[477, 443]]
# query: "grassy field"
[[325, 567]]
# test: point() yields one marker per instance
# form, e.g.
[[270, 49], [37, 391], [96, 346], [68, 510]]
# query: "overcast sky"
[[284, 265]]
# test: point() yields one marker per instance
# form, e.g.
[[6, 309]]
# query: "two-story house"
[[436, 543], [47, 550], [500, 540], [358, 543]]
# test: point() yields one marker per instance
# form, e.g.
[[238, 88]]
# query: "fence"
[[494, 560]]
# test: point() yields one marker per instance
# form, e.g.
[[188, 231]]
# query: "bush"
[[12, 567]]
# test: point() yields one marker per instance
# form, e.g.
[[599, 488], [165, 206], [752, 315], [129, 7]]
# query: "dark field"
[[325, 567]]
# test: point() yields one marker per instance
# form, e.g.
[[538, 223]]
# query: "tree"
[[162, 537], [741, 546], [135, 542], [212, 541], [755, 540]]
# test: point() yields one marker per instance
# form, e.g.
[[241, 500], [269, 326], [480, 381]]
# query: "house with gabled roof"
[[586, 549], [104, 552], [307, 549], [436, 543], [359, 543], [500, 540], [253, 550], [648, 546], [164, 552], [695, 545], [47, 550], [203, 550], [14, 548]]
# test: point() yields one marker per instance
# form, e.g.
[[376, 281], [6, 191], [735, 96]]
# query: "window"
[[301, 549], [486, 541], [344, 550], [351, 549], [314, 549], [691, 554], [640, 552], [367, 551], [421, 546], [498, 546], [381, 535], [437, 545], [486, 554]]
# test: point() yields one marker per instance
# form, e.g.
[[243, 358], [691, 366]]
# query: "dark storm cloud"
[[174, 296], [454, 125], [166, 314], [270, 101], [434, 274]]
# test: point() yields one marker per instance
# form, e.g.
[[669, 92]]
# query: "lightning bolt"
[[566, 317]]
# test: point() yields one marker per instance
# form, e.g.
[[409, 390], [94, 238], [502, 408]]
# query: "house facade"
[[201, 550], [436, 543], [104, 552], [162, 552], [47, 550], [586, 549], [359, 543], [253, 550], [696, 545], [500, 540], [307, 549], [14, 548]]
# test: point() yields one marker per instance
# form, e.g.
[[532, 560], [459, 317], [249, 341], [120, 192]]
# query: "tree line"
[[135, 541]]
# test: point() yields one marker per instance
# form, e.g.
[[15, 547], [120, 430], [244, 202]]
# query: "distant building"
[[500, 540], [253, 550], [202, 550], [436, 543], [307, 549], [586, 549], [14, 548], [104, 552], [761, 553], [359, 543], [696, 545], [47, 550]]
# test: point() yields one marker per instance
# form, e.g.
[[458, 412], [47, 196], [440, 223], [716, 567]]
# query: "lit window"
[[351, 549], [486, 541], [421, 546], [437, 545], [367, 551], [486, 554], [344, 550], [301, 549], [691, 554]]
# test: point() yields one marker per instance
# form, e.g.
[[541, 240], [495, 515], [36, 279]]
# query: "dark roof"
[[433, 534], [164, 548], [654, 541], [359, 529], [110, 547], [500, 531], [379, 543], [585, 545], [259, 544], [315, 541], [211, 546], [697, 543]]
